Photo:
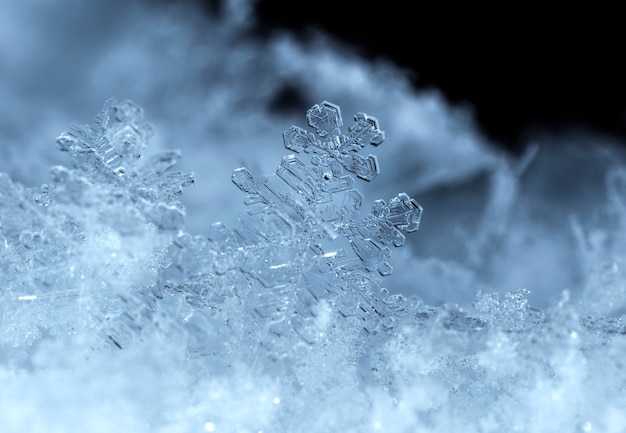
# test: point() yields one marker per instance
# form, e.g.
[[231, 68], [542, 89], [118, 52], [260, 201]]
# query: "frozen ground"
[[514, 283]]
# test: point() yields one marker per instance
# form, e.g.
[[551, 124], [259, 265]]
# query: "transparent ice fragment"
[[405, 213], [325, 118], [297, 139], [364, 167], [365, 131], [245, 181], [112, 144]]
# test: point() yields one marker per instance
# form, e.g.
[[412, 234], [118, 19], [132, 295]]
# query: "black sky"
[[523, 69]]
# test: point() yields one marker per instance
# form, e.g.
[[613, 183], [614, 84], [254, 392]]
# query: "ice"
[[280, 322], [316, 311], [302, 243], [79, 251]]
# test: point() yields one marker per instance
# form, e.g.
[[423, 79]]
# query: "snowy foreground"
[[115, 317], [291, 283]]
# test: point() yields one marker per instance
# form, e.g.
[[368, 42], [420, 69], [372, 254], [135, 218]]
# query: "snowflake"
[[302, 246]]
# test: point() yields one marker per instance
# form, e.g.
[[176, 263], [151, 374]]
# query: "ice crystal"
[[280, 322], [111, 204], [109, 150], [302, 250]]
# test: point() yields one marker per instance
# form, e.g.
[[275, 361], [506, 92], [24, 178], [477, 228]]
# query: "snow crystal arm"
[[111, 144]]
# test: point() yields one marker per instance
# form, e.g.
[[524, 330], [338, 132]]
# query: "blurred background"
[[505, 124], [519, 70]]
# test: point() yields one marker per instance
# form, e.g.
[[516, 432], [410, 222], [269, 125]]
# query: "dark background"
[[522, 69]]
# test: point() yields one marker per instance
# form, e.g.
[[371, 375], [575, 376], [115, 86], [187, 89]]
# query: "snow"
[[141, 290]]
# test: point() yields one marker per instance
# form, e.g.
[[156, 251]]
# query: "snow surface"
[[513, 287]]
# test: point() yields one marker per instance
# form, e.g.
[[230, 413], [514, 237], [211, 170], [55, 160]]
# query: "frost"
[[114, 316]]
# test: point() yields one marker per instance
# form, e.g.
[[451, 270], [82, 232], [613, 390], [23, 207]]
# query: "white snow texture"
[[142, 291]]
